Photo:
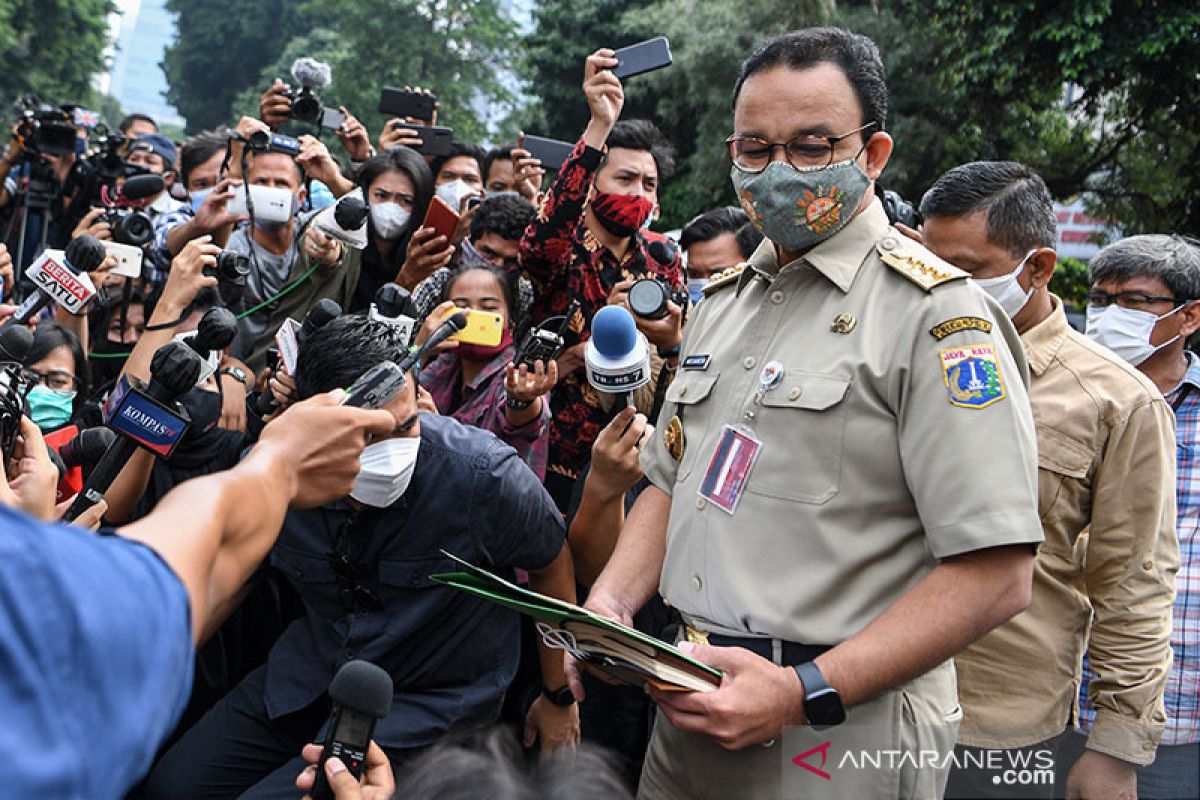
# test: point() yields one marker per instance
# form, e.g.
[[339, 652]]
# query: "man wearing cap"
[[156, 153]]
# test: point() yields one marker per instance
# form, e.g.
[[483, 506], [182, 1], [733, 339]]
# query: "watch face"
[[825, 708]]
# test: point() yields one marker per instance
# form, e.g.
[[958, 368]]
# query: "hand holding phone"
[[441, 217], [484, 328]]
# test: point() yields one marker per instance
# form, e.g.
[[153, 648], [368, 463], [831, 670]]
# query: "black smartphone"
[[404, 103], [551, 152], [435, 141], [332, 118], [376, 386], [643, 57]]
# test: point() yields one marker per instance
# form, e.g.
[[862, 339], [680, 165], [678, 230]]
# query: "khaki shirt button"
[[749, 361], [1148, 746], [1147, 565], [776, 297], [794, 393], [888, 244], [697, 584], [701, 503]]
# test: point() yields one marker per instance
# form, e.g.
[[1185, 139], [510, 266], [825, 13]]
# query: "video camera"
[[230, 271], [267, 142], [129, 225], [42, 129], [306, 105]]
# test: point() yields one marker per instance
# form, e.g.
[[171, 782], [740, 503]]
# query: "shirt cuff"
[[991, 530], [1120, 737]]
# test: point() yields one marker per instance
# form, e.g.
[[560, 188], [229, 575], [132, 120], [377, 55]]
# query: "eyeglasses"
[[752, 154], [56, 379], [1134, 301]]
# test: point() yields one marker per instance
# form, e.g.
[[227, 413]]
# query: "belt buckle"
[[696, 636]]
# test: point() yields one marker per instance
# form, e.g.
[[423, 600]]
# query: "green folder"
[[627, 654]]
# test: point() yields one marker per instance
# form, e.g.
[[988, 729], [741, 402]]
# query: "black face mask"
[[112, 357], [204, 409]]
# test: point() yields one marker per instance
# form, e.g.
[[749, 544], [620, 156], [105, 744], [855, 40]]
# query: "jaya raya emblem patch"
[[822, 211], [972, 375]]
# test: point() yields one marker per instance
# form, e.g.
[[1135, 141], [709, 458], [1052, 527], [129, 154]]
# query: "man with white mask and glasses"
[[1106, 502], [362, 566], [1143, 306]]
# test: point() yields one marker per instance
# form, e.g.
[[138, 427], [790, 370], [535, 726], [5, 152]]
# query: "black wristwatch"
[[238, 374], [822, 703], [518, 405], [560, 697]]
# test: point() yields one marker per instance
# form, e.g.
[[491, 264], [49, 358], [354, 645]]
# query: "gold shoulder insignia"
[[915, 262], [723, 278]]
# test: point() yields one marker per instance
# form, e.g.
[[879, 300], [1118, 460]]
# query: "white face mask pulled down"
[[384, 471], [1006, 291], [1125, 331]]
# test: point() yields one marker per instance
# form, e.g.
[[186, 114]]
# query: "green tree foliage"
[[52, 47], [220, 50]]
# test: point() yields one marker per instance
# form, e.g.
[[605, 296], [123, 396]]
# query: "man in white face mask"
[[362, 565], [1105, 465], [1143, 306]]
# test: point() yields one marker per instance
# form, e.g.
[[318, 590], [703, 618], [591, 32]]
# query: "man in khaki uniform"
[[841, 500], [1106, 462]]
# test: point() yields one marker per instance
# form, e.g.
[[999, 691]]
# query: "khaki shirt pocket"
[[1064, 491], [802, 426], [687, 395]]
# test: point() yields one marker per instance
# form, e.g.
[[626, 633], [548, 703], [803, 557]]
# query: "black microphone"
[[663, 251], [392, 300], [362, 694], [57, 460], [140, 187], [84, 254], [215, 332], [87, 448], [451, 326], [15, 343], [319, 315], [173, 371]]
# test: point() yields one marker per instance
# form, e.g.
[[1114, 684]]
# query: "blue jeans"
[[1174, 775]]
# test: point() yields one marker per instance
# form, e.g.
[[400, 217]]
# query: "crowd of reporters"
[[304, 532]]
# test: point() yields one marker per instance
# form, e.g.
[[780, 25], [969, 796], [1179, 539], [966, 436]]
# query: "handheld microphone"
[[215, 332], [173, 371], [362, 694], [15, 344], [318, 316], [346, 220], [663, 251], [61, 277], [616, 357], [87, 448], [453, 324], [394, 305]]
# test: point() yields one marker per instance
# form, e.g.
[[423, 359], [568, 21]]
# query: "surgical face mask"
[[454, 192], [273, 206], [695, 287], [1124, 331], [1006, 291], [389, 219], [799, 208], [50, 409], [197, 197], [384, 471], [471, 257]]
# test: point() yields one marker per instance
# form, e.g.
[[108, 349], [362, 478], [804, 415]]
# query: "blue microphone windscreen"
[[614, 332]]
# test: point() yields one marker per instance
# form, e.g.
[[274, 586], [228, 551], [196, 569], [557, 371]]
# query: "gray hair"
[[1173, 259]]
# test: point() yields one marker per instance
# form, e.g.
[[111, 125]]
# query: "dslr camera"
[[230, 271], [12, 406], [306, 105], [648, 298], [129, 226]]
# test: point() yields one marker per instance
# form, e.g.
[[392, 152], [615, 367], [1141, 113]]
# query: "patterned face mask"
[[799, 208]]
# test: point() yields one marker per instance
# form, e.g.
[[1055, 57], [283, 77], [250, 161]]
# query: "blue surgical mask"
[[695, 288], [50, 409], [197, 197]]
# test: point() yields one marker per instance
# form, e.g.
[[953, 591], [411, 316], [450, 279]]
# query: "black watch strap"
[[560, 697], [822, 703]]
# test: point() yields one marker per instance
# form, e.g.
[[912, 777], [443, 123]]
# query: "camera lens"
[[306, 108], [232, 268], [134, 228], [648, 299]]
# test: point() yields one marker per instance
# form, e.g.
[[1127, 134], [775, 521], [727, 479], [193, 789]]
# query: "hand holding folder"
[[626, 654]]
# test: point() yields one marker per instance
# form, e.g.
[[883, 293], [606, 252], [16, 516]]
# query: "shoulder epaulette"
[[914, 261], [726, 277]]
